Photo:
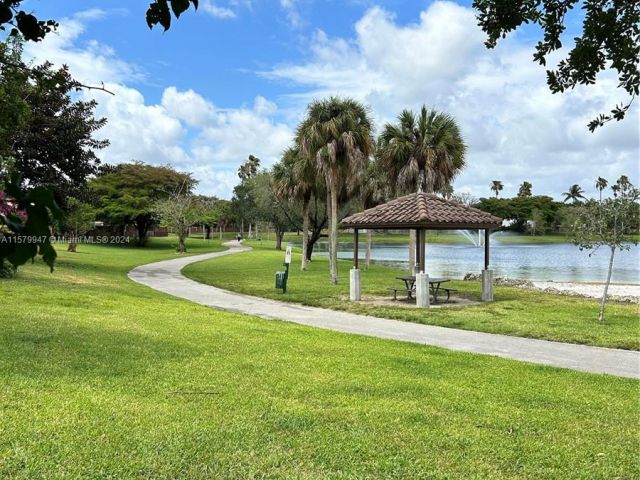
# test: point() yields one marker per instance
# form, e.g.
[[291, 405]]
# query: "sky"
[[234, 79]]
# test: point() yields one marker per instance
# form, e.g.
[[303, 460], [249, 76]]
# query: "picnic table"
[[434, 286]]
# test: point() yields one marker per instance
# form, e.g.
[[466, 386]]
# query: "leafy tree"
[[525, 189], [538, 224], [375, 191], [129, 193], [79, 219], [41, 201], [519, 210], [25, 214], [497, 187], [49, 135], [249, 168], [608, 223], [25, 23], [209, 213], [179, 211], [609, 40], [337, 132], [225, 215], [575, 194], [296, 181], [601, 184], [269, 207]]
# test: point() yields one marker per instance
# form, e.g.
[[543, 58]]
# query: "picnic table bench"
[[435, 287]]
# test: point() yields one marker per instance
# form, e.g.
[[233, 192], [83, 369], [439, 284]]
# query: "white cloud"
[[214, 10], [184, 129], [516, 129], [290, 8]]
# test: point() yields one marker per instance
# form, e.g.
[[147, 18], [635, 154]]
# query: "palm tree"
[[601, 184], [525, 189], [496, 186], [295, 178], [374, 192], [575, 193], [424, 152], [337, 133]]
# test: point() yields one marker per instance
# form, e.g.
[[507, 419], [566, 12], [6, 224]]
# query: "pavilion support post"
[[422, 290], [355, 290], [422, 240], [487, 275], [355, 248]]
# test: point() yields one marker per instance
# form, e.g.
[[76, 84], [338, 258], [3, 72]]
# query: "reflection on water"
[[562, 262]]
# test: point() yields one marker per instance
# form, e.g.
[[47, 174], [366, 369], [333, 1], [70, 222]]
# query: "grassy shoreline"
[[518, 312], [105, 378]]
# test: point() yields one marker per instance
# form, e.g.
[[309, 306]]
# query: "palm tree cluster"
[[336, 159]]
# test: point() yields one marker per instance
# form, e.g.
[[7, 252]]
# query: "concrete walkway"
[[166, 277]]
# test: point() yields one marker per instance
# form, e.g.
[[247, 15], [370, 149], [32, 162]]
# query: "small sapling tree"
[[608, 223]]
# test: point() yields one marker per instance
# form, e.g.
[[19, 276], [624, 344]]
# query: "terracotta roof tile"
[[422, 210]]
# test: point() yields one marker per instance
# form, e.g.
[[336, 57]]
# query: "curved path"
[[166, 277]]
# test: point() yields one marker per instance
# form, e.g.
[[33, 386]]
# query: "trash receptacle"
[[280, 280]]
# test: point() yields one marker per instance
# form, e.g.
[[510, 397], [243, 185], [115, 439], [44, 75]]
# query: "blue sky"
[[233, 79]]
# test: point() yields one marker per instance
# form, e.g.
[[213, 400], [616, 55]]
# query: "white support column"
[[355, 291], [487, 285], [422, 290]]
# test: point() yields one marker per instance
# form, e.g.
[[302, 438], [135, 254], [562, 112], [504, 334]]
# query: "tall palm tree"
[[496, 186], [575, 194], [338, 134], [601, 184], [295, 181], [375, 191], [424, 152], [525, 189]]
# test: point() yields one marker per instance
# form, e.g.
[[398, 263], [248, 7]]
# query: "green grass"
[[104, 378], [518, 312]]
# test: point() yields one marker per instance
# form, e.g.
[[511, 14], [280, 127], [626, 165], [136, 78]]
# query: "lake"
[[561, 262]]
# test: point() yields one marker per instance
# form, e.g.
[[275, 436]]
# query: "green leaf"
[[179, 6], [159, 12], [29, 26], [5, 14]]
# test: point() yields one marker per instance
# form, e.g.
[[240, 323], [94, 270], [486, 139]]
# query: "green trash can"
[[280, 280]]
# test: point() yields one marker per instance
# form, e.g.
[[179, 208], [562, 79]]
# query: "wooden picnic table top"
[[412, 278]]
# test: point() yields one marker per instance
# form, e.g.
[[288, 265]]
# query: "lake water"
[[562, 262]]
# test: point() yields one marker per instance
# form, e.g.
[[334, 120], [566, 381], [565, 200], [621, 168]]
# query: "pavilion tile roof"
[[422, 210]]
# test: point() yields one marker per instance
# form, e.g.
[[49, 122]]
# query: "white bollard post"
[[355, 291], [422, 290], [487, 285]]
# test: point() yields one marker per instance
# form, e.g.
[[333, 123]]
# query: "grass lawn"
[[516, 311], [104, 378]]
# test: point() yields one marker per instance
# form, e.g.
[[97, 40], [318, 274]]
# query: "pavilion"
[[422, 212]]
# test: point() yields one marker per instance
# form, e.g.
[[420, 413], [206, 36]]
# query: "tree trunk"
[[412, 252], [181, 245], [220, 231], [367, 257], [142, 227], [242, 228], [279, 236], [207, 232], [305, 233], [73, 243], [333, 230], [249, 234], [606, 286], [256, 231]]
